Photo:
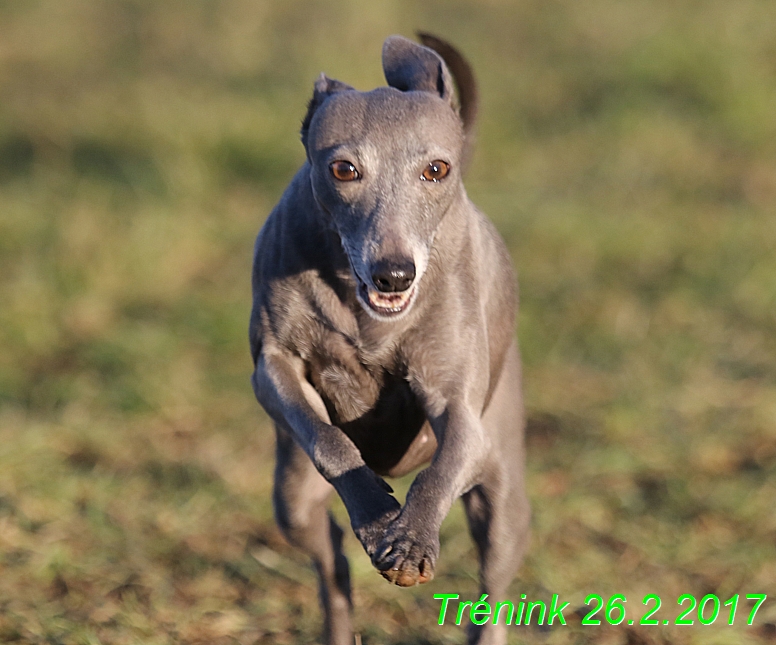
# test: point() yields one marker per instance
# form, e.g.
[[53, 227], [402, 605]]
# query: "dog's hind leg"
[[299, 498], [497, 508]]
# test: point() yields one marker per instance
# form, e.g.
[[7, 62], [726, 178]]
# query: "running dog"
[[382, 334]]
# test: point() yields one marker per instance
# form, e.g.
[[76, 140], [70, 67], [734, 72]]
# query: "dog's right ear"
[[324, 87]]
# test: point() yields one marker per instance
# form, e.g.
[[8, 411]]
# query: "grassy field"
[[627, 153]]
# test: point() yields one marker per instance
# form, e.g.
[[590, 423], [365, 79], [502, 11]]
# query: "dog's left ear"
[[409, 66], [324, 87]]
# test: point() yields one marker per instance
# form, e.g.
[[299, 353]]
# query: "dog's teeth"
[[388, 302]]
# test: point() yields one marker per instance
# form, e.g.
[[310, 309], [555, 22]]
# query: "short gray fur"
[[357, 392]]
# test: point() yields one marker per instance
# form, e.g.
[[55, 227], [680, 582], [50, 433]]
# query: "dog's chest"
[[350, 380], [374, 405]]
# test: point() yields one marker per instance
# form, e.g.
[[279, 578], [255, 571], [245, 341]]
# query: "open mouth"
[[386, 303]]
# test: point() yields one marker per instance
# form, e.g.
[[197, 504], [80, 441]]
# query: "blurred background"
[[627, 153]]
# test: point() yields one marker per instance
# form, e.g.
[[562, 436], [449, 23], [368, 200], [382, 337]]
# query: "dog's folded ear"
[[409, 66], [324, 87], [434, 67]]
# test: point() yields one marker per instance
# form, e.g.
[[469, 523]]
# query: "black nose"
[[393, 276]]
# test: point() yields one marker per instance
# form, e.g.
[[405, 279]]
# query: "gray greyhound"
[[382, 333]]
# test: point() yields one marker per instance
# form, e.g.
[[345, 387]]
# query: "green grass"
[[627, 153]]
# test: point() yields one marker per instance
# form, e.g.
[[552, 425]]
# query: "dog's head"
[[385, 167]]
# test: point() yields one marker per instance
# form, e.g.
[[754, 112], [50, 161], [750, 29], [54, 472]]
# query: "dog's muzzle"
[[392, 289]]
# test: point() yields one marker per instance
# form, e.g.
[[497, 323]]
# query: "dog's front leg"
[[293, 403], [408, 552]]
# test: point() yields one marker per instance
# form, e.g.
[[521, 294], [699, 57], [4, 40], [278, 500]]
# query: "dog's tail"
[[463, 76]]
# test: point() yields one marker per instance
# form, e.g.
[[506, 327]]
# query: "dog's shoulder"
[[287, 241]]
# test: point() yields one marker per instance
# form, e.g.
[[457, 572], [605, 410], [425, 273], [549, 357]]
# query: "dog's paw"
[[371, 534], [406, 557]]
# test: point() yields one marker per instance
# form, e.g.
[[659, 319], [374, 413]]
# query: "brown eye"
[[344, 171], [435, 170]]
